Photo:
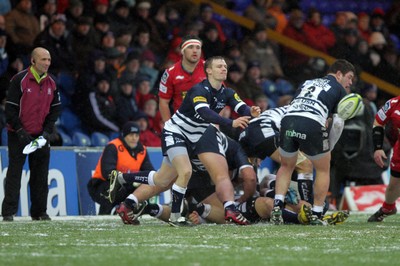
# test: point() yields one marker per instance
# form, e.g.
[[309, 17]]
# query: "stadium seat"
[[4, 137], [99, 139], [80, 139], [66, 139], [114, 135], [70, 122], [66, 83]]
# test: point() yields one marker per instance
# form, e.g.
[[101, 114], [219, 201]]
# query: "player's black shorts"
[[255, 144], [171, 139], [213, 141], [304, 134]]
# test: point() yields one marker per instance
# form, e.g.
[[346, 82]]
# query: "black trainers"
[[380, 215], [114, 185], [43, 217], [8, 218]]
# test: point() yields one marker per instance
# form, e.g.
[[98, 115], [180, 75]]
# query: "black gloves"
[[24, 137]]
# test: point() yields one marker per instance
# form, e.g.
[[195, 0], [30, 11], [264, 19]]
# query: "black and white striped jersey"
[[317, 99], [187, 122], [269, 121]]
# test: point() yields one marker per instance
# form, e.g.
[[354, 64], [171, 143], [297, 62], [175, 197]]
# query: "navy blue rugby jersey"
[[317, 99], [188, 122]]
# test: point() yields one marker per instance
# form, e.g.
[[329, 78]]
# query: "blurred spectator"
[[276, 10], [250, 85], [174, 52], [101, 7], [114, 64], [339, 26], [314, 26], [2, 22], [86, 83], [148, 67], [393, 18], [22, 27], [4, 60], [74, 11], [206, 17], [369, 92], [212, 45], [5, 7], [45, 14], [127, 107], [147, 136], [347, 47], [100, 112], [266, 52], [143, 90], [150, 108], [120, 17], [294, 61], [235, 75], [143, 42], [101, 27], [233, 55], [258, 11], [363, 25], [142, 18], [131, 66], [58, 41], [378, 22], [83, 41]]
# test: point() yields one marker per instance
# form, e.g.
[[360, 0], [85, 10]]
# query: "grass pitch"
[[106, 241]]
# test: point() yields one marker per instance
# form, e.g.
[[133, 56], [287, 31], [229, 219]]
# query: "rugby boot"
[[380, 215], [114, 185], [336, 218], [235, 216], [276, 216]]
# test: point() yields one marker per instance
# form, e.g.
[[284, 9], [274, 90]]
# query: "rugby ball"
[[350, 106]]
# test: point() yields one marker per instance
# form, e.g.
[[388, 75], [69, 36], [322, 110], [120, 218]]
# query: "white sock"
[[279, 197], [150, 178], [133, 197]]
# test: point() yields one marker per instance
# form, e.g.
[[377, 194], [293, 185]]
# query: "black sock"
[[177, 198], [230, 207], [138, 177], [305, 188], [151, 209], [278, 203], [200, 209], [319, 214], [130, 203], [289, 217]]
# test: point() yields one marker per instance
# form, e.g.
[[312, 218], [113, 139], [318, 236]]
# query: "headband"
[[190, 42]]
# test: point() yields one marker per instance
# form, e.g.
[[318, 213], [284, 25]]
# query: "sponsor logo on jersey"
[[386, 107], [163, 88], [294, 134], [180, 77], [184, 94], [237, 98], [199, 99], [164, 77]]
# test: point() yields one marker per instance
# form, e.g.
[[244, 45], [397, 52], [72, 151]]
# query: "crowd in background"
[[108, 56]]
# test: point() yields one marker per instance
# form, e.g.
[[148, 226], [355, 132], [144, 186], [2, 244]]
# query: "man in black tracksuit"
[[32, 108]]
